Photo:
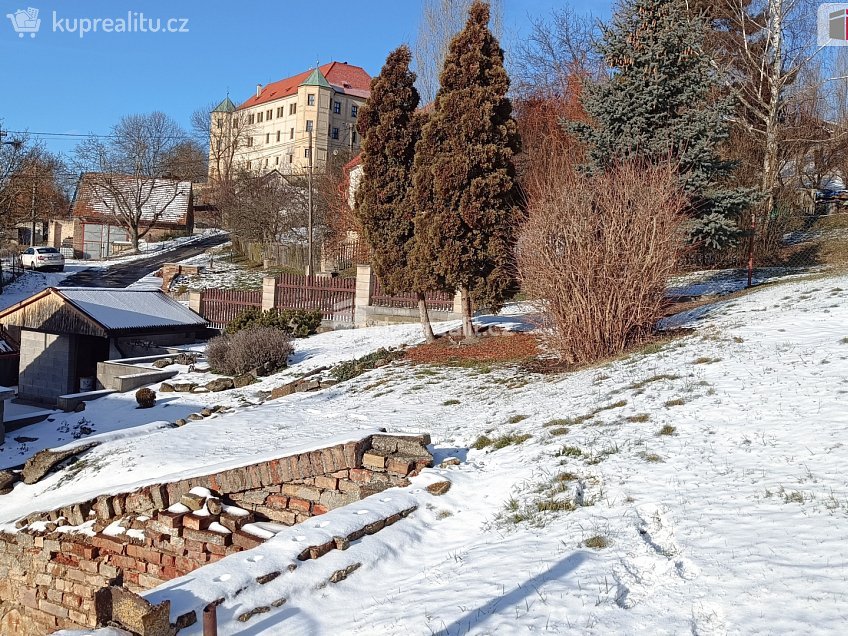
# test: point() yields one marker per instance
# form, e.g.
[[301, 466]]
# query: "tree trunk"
[[467, 323], [134, 237], [426, 327], [770, 156]]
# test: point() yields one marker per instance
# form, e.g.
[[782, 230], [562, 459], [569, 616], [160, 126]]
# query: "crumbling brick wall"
[[48, 576]]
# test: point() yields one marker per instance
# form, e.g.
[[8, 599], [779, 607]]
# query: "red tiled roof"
[[350, 165], [344, 77]]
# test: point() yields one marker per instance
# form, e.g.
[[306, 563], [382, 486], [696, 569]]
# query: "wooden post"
[[210, 620]]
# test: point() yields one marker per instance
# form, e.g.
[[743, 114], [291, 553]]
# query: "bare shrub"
[[597, 251], [263, 349]]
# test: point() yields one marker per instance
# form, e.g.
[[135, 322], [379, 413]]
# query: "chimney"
[[258, 89]]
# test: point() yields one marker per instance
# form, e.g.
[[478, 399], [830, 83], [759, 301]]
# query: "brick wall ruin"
[[51, 568]]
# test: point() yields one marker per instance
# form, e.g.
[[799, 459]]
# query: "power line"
[[185, 137]]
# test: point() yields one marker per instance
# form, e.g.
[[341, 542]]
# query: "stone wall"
[[51, 569]]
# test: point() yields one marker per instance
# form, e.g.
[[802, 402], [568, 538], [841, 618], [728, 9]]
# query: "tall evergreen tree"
[[390, 128], [465, 188], [660, 103]]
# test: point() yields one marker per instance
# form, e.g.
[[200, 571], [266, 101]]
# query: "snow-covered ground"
[[32, 282], [709, 476]]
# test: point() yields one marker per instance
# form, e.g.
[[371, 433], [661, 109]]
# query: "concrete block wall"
[[46, 366], [49, 577]]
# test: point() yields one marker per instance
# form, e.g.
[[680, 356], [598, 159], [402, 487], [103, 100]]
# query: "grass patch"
[[443, 514], [598, 542], [705, 360], [652, 458], [508, 439], [668, 429], [450, 402], [655, 378], [554, 505], [515, 419], [844, 340], [675, 402], [641, 418], [609, 407], [597, 458], [566, 477], [562, 430], [558, 422], [570, 451]]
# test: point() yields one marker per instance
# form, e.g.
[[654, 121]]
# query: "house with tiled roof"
[[167, 208], [274, 126]]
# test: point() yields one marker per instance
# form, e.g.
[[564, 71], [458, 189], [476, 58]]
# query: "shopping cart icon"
[[25, 21]]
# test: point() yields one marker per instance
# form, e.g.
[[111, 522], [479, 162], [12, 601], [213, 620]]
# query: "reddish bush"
[[597, 251]]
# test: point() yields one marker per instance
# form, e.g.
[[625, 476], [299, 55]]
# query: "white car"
[[43, 258]]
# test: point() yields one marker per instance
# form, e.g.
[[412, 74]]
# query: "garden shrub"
[[353, 368], [264, 349], [146, 398], [597, 252], [299, 323]]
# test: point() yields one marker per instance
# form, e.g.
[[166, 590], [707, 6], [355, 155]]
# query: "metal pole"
[[210, 620], [309, 208]]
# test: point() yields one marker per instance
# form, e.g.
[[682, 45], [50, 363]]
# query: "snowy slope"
[[735, 520]]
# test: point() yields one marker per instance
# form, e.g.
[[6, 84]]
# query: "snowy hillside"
[[700, 488]]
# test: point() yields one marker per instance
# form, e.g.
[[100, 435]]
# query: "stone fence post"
[[269, 292], [194, 301], [457, 302], [362, 300]]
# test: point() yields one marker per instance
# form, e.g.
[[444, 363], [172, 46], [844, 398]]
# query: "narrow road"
[[125, 274]]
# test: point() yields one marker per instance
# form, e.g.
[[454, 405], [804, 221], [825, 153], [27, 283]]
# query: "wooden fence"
[[436, 301], [220, 306], [333, 296]]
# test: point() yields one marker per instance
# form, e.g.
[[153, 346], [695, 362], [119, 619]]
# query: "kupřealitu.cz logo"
[[27, 21], [833, 24]]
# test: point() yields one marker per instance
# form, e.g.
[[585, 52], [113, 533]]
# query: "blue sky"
[[61, 82]]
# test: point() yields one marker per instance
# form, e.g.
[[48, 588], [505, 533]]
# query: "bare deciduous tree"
[[227, 133], [441, 20], [125, 172]]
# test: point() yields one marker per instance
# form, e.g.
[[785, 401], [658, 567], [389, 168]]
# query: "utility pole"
[[32, 208], [309, 265]]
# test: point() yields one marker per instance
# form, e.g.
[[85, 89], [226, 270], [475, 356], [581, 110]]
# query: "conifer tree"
[[660, 104], [390, 127], [465, 189]]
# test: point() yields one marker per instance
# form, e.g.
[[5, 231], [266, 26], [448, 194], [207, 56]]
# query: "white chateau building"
[[270, 131]]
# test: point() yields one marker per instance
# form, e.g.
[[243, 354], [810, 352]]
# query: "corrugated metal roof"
[[130, 308]]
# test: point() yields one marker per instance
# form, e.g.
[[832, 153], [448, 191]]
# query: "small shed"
[[64, 332]]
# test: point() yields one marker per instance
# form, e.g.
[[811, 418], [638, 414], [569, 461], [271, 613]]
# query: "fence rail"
[[220, 306], [333, 296], [436, 301]]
